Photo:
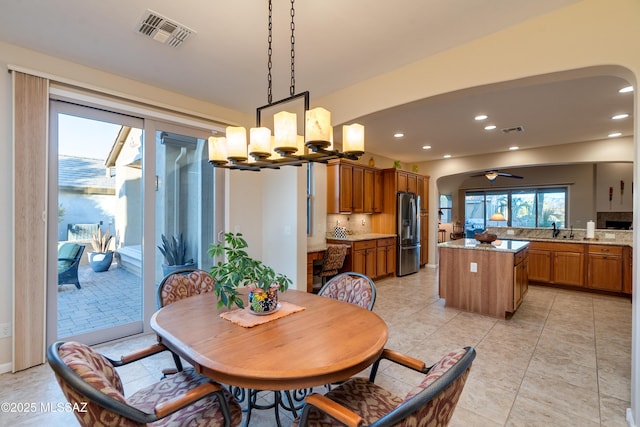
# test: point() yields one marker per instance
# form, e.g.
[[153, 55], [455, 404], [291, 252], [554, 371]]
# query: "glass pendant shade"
[[237, 143], [260, 142], [318, 127], [353, 139], [217, 150], [285, 130]]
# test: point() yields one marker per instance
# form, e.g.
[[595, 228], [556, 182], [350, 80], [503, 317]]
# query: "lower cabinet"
[[374, 258], [520, 278], [605, 269], [591, 266]]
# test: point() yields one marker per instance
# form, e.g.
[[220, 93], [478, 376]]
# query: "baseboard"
[[630, 418], [6, 367]]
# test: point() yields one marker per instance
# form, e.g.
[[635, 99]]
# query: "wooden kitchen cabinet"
[[520, 278], [424, 237], [557, 263], [374, 258], [378, 191], [386, 257], [591, 266], [539, 264], [605, 267], [350, 188]]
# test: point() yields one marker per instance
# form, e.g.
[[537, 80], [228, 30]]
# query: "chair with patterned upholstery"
[[332, 263], [69, 255], [361, 402], [91, 384], [351, 287], [179, 285]]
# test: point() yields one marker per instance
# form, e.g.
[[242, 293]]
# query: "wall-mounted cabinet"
[[351, 188]]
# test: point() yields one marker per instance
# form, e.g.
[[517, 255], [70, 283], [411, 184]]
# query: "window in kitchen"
[[444, 210], [525, 207], [309, 198]]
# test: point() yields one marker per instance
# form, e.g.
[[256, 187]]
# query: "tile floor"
[[562, 360]]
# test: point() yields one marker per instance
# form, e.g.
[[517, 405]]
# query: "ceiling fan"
[[492, 175]]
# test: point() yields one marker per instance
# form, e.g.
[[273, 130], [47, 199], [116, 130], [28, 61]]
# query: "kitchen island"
[[489, 279]]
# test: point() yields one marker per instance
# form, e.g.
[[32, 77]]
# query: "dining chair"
[[361, 402], [92, 385], [332, 263], [179, 285], [457, 231], [351, 287]]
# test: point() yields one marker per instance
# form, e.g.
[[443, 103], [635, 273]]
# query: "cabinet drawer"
[[390, 241], [364, 244], [605, 249], [521, 256]]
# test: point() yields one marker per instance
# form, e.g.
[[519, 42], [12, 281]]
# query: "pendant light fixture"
[[287, 145]]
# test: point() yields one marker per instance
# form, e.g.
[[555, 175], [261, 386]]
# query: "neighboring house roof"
[[84, 175]]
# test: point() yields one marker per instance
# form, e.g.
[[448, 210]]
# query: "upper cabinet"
[[353, 188]]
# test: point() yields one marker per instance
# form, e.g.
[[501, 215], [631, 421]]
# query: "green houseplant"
[[239, 269], [101, 257], [174, 250]]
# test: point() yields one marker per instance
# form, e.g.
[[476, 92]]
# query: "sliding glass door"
[[119, 185], [95, 187]]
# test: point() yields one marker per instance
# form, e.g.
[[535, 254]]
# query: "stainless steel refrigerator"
[[408, 232]]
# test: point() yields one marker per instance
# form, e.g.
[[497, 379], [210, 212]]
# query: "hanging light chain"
[[292, 88], [269, 55]]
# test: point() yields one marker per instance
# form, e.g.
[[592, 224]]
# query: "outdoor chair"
[[69, 255], [179, 285], [90, 383], [332, 263], [361, 402], [351, 287]]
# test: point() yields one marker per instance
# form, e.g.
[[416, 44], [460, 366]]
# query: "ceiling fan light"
[[491, 176]]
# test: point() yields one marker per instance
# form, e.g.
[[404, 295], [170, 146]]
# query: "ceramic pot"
[[261, 302], [100, 261]]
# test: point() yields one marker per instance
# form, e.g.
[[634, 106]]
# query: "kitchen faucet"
[[556, 231]]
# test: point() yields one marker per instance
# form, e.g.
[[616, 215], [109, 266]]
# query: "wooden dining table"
[[328, 341]]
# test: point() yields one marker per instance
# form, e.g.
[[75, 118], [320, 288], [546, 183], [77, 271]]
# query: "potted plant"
[[174, 250], [101, 257], [239, 269]]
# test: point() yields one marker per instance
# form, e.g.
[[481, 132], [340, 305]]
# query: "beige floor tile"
[[563, 359]]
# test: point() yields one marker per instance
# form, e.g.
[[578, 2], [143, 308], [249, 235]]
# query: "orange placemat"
[[245, 319]]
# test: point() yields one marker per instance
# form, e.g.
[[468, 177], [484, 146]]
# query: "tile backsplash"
[[355, 223]]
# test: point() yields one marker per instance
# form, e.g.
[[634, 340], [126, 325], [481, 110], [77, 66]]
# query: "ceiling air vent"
[[163, 30], [513, 129]]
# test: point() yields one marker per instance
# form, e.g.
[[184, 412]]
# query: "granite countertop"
[[366, 236], [498, 245], [602, 237]]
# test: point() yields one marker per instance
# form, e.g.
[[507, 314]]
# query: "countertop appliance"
[[408, 231]]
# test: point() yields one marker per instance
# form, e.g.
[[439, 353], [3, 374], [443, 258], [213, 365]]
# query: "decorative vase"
[[261, 302], [100, 261]]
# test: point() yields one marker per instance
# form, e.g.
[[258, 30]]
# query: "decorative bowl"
[[485, 237]]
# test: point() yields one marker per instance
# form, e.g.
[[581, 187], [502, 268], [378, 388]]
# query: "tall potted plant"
[[174, 250], [102, 256], [239, 269]]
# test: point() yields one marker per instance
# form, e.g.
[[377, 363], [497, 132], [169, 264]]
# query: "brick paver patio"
[[106, 299]]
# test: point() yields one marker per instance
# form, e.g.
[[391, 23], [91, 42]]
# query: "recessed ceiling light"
[[426, 147], [490, 127], [514, 148], [398, 135], [614, 134], [620, 116], [446, 156], [626, 89], [481, 117]]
